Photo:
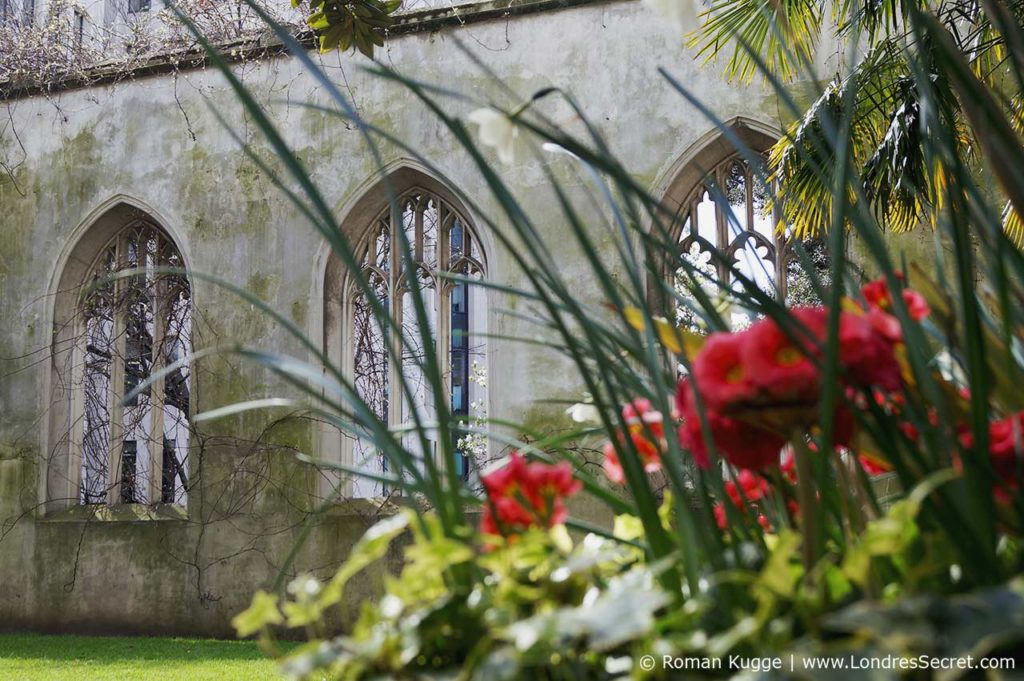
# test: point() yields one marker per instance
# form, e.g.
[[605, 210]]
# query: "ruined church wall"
[[156, 141]]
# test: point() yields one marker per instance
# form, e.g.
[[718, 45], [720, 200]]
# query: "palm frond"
[[783, 32]]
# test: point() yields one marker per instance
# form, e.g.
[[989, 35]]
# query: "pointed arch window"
[[442, 242], [727, 223], [126, 329], [744, 234]]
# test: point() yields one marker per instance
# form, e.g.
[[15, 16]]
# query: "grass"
[[31, 657]]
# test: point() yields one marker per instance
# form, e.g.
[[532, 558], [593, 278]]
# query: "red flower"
[[612, 465], [866, 349], [873, 465], [741, 444], [720, 518], [778, 367], [1005, 446], [522, 495], [814, 320], [877, 294], [760, 385], [747, 488], [917, 306], [646, 429], [721, 371]]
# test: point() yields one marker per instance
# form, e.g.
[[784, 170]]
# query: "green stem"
[[808, 500]]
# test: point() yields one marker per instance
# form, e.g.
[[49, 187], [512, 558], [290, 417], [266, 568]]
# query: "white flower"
[[679, 13], [304, 586], [497, 130], [582, 412]]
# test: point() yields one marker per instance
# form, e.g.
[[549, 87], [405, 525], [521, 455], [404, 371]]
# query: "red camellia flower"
[[760, 386], [1005, 447], [867, 349], [522, 495], [779, 368], [741, 444], [747, 488], [646, 430], [877, 294], [721, 371]]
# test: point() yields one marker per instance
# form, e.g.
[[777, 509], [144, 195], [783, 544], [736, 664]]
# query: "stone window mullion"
[[161, 309], [721, 223], [77, 434], [117, 378]]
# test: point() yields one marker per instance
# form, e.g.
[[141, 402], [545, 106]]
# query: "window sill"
[[122, 513]]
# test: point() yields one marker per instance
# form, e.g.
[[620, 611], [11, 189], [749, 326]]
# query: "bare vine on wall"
[[245, 492], [64, 40], [70, 44]]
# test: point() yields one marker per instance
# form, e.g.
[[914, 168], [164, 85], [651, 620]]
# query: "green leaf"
[[369, 549], [437, 554], [891, 534], [780, 574], [263, 612]]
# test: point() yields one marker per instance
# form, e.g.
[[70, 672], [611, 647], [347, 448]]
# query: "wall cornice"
[[267, 46]]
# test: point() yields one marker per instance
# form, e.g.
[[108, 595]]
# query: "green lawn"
[[29, 657]]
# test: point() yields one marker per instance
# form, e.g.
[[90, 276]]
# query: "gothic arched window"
[[726, 220], [127, 328], [442, 242], [744, 235]]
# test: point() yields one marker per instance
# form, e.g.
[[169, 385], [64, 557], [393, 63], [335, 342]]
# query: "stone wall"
[[154, 142]]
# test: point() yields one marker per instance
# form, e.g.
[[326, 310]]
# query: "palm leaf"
[[783, 32]]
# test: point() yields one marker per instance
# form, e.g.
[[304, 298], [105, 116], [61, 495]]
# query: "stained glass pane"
[[96, 441], [371, 378], [419, 351], [177, 316], [428, 223], [121, 328]]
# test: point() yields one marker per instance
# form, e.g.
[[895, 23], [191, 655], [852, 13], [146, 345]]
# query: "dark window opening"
[[79, 28], [129, 473]]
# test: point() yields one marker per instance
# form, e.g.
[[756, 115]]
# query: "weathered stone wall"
[[157, 142]]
